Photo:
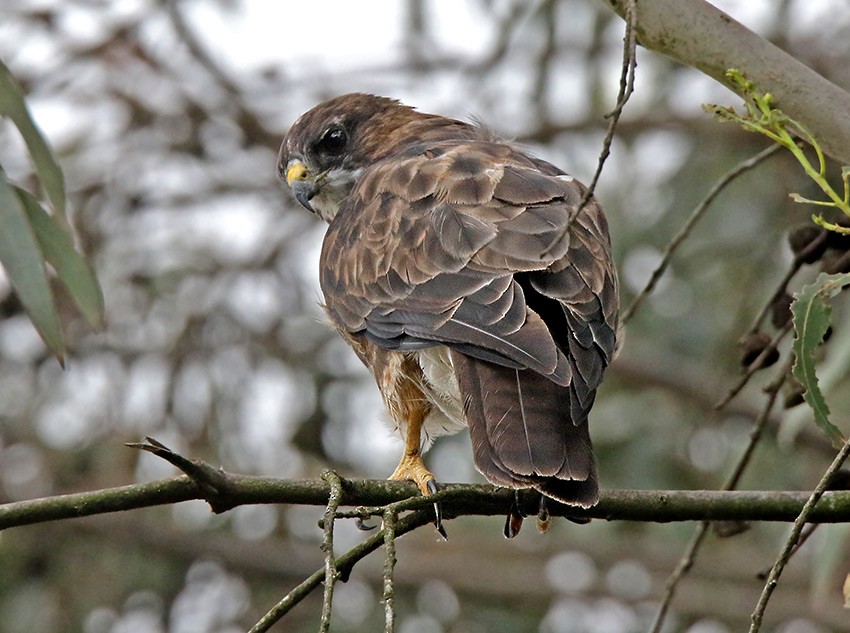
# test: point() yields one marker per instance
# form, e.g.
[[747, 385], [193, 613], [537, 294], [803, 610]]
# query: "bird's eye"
[[333, 141]]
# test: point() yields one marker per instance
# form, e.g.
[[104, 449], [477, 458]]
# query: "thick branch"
[[697, 34], [458, 500]]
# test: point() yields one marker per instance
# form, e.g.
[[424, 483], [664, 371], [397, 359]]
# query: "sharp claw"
[[544, 519], [360, 522], [440, 529], [513, 522], [431, 485]]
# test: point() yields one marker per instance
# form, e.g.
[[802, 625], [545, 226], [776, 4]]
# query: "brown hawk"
[[448, 269]]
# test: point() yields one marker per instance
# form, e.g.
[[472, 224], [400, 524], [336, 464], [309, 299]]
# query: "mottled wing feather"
[[464, 244], [444, 245]]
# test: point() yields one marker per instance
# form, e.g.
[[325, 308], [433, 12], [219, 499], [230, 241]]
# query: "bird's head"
[[328, 147]]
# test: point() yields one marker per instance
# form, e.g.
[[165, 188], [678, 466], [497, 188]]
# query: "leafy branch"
[[32, 236], [811, 315], [764, 118]]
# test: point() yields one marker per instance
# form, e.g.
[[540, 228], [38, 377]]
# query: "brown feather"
[[451, 237], [522, 432]]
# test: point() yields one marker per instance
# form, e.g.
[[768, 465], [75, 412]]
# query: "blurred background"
[[167, 116]]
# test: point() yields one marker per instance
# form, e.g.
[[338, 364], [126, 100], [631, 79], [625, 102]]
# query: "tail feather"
[[527, 431]]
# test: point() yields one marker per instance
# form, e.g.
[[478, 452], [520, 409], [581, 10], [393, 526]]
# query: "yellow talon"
[[412, 468]]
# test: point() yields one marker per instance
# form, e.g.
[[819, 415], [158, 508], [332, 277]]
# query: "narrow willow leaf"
[[811, 314], [73, 270], [50, 176], [24, 264]]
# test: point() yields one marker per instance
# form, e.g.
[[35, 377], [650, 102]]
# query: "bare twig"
[[686, 562], [344, 565], [331, 574], [804, 536], [390, 518], [213, 482], [798, 262], [772, 390], [695, 216], [682, 567], [794, 537], [627, 87]]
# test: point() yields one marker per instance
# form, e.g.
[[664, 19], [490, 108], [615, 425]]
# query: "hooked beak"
[[303, 187]]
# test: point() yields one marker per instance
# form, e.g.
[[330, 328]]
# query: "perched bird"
[[452, 268]]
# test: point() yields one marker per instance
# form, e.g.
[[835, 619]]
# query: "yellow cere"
[[296, 171]]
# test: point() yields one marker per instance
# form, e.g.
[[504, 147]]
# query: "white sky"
[[340, 34]]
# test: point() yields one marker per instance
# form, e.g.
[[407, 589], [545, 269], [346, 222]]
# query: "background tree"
[[166, 119]]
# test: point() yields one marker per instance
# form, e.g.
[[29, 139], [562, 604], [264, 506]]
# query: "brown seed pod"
[[801, 237], [780, 310], [753, 345]]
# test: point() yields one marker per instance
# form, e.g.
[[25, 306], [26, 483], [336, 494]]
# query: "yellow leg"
[[411, 467]]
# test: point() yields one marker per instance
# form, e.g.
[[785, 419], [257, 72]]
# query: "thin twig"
[[344, 565], [796, 264], [627, 87], [390, 517], [686, 562], [331, 574], [695, 217], [772, 390], [753, 367], [804, 536], [793, 538], [682, 567]]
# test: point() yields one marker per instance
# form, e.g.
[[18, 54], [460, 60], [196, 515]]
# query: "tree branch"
[[699, 35], [344, 565], [458, 500], [794, 537]]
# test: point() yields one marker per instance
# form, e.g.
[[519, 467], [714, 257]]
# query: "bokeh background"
[[166, 117]]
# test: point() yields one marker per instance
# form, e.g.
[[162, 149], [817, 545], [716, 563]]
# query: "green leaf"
[[12, 105], [811, 315], [24, 263], [71, 267]]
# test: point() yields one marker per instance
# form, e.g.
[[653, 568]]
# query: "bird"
[[471, 278]]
